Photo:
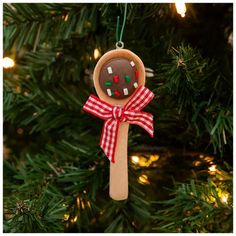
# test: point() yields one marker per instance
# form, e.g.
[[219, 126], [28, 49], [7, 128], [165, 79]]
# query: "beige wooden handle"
[[119, 170]]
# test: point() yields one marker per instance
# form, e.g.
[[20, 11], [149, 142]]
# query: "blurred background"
[[56, 177]]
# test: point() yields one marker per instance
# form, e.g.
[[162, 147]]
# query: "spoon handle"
[[119, 170]]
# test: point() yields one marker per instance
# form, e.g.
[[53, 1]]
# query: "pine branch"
[[197, 207], [41, 214], [56, 22], [127, 216]]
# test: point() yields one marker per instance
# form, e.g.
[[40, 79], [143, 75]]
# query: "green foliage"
[[34, 205], [40, 23], [185, 75], [39, 215], [218, 122], [185, 90], [197, 207], [128, 216]]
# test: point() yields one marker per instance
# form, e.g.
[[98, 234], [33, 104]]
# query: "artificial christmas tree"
[[55, 175]]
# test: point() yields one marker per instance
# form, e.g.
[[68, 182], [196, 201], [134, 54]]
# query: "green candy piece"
[[127, 78], [108, 83]]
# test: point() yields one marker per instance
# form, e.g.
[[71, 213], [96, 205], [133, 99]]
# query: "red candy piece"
[[136, 74], [116, 79], [117, 93]]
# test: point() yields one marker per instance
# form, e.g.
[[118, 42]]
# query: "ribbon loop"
[[113, 115]]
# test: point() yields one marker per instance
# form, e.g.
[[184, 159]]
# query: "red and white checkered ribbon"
[[113, 115]]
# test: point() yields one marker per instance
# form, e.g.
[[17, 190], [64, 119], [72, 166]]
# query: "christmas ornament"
[[119, 79]]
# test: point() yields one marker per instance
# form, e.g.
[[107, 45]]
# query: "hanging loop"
[[119, 45]]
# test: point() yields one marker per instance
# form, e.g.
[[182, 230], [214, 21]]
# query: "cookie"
[[119, 77]]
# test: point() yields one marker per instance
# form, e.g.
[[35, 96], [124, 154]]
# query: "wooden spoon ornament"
[[119, 79]]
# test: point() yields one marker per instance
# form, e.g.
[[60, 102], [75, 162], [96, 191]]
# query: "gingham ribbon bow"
[[113, 115]]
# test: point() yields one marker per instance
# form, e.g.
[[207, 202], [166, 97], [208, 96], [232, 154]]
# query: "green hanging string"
[[119, 39], [117, 28]]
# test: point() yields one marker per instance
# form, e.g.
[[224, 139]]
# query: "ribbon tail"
[[109, 138], [142, 119]]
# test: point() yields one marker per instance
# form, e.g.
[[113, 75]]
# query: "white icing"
[[136, 85], [109, 69], [126, 92], [109, 92], [132, 63]]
